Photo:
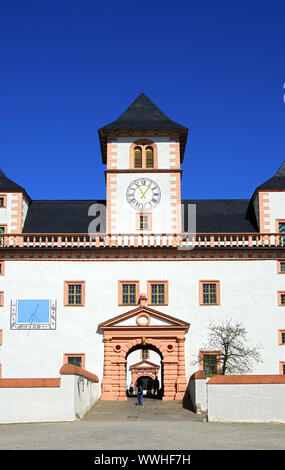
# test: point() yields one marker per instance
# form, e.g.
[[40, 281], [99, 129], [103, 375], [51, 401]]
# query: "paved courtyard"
[[156, 425]]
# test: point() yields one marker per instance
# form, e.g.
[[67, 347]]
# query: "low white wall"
[[75, 395], [197, 392], [86, 393], [246, 402]]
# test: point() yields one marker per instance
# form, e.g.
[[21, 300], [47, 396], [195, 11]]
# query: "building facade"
[[98, 283]]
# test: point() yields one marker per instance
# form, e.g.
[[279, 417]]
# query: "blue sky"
[[68, 68]]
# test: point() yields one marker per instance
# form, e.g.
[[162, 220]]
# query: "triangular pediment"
[[144, 317], [144, 365]]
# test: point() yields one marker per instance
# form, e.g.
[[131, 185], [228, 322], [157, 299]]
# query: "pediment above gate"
[[145, 365], [144, 317]]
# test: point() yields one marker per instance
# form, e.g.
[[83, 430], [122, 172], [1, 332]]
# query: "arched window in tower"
[[138, 157], [149, 157]]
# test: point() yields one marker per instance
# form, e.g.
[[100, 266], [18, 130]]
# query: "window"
[[128, 292], [281, 229], [77, 360], [74, 293], [2, 268], [144, 354], [282, 368], [281, 267], [157, 292], [281, 298], [2, 230], [138, 157], [281, 337], [209, 362], [2, 201], [209, 292], [143, 154], [144, 221], [149, 157]]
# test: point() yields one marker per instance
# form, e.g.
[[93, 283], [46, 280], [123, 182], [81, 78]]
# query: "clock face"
[[143, 194]]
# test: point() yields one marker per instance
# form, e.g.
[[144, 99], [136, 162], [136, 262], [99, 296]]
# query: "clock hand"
[[140, 190], [146, 189]]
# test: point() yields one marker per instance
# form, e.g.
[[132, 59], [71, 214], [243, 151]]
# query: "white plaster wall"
[[197, 392], [161, 214], [24, 210], [43, 404], [8, 211], [86, 393], [248, 293], [277, 208], [246, 402]]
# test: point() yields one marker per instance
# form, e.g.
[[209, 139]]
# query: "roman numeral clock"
[[143, 194]]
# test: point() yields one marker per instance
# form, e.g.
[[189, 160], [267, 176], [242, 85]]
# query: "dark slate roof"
[[230, 215], [222, 215], [142, 115], [277, 181], [60, 216], [8, 185]]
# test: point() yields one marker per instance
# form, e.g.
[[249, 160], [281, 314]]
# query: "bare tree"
[[235, 356]]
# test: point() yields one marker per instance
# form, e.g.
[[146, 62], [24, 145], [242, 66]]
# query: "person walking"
[[140, 395], [155, 386]]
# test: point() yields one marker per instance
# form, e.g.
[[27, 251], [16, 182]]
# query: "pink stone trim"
[[68, 283], [2, 268], [279, 293], [218, 295], [280, 337], [264, 219], [247, 379], [29, 383], [70, 369], [149, 217], [139, 319], [4, 196], [143, 143], [202, 353], [166, 294], [17, 219], [278, 266], [67, 355]]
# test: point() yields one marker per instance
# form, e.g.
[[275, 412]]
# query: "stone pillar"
[[181, 383], [107, 381], [122, 380], [169, 378]]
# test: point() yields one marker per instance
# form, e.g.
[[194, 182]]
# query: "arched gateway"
[[148, 327]]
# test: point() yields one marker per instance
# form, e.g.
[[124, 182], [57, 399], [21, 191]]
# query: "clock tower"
[[143, 150]]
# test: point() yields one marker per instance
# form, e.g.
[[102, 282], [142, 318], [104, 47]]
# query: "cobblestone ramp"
[[151, 410]]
